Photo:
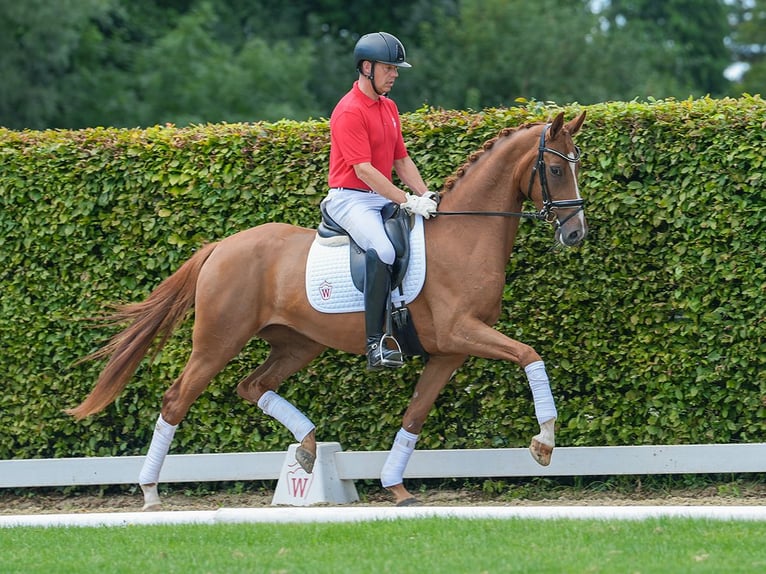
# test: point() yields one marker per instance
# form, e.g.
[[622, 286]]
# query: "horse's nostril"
[[575, 237]]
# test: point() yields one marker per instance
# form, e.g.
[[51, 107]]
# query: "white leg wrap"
[[393, 469], [158, 450], [545, 407], [282, 410]]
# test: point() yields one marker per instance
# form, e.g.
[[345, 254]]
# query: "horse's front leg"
[[542, 443], [478, 339], [432, 380]]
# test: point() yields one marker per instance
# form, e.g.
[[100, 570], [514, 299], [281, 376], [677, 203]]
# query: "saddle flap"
[[398, 230]]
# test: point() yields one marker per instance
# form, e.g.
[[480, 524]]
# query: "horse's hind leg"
[[290, 352], [194, 379]]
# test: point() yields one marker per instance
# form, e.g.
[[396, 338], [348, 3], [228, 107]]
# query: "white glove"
[[432, 195], [419, 205]]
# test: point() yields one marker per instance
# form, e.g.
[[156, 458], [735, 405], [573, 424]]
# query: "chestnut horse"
[[252, 284]]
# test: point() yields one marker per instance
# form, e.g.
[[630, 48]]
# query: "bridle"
[[548, 211]]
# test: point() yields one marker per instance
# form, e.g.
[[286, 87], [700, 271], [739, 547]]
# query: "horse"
[[251, 284]]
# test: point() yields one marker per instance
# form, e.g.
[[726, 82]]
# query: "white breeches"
[[358, 213]]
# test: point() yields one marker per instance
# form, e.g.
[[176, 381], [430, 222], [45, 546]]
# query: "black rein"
[[546, 213]]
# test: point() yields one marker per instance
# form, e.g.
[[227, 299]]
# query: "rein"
[[522, 214], [547, 212]]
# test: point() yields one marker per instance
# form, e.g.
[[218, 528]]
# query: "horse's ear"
[[556, 125], [573, 126]]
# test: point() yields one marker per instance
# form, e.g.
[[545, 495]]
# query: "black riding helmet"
[[380, 47]]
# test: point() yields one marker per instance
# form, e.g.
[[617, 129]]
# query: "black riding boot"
[[377, 292]]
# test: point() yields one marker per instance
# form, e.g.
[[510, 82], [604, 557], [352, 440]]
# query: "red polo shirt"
[[363, 130]]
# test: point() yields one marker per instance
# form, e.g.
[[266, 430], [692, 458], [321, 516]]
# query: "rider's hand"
[[432, 195], [420, 205]]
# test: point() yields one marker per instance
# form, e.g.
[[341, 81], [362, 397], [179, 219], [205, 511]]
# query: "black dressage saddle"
[[397, 224]]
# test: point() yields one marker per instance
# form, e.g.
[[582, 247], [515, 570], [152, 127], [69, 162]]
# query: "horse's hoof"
[[305, 458], [151, 497], [541, 452], [412, 501]]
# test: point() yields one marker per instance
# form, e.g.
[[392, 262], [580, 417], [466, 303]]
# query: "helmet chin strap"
[[371, 77]]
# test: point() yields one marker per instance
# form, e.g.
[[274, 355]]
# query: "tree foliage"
[[684, 39], [78, 63], [749, 43]]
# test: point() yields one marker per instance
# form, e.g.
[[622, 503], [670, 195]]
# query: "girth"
[[397, 224]]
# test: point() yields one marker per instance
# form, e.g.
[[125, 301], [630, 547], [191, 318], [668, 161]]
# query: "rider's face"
[[385, 76]]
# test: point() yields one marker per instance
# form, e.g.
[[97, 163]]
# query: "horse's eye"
[[555, 170]]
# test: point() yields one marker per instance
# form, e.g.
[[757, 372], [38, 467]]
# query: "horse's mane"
[[474, 157]]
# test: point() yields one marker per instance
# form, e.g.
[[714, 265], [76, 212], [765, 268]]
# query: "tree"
[[38, 43], [78, 63], [685, 39], [490, 52], [500, 50], [749, 44], [190, 76]]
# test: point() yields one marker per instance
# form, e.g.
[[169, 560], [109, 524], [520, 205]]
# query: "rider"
[[366, 145]]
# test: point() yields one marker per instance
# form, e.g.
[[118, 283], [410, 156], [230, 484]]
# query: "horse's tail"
[[159, 314]]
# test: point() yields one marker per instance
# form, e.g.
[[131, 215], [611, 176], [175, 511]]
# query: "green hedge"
[[652, 331]]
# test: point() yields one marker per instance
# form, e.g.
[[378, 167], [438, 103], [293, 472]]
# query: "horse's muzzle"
[[573, 231]]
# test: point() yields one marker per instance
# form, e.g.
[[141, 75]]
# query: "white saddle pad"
[[329, 287]]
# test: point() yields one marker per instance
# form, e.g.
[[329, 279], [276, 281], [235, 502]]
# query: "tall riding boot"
[[377, 292]]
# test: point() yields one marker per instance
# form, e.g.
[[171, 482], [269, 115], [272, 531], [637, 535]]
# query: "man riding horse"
[[366, 145], [254, 283]]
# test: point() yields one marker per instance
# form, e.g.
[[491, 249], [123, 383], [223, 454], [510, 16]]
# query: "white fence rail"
[[355, 465]]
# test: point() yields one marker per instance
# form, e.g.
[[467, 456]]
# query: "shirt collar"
[[360, 94]]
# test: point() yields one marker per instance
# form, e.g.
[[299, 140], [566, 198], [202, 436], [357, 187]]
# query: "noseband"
[[548, 212]]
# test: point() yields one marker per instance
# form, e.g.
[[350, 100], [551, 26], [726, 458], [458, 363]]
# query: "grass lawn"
[[427, 545]]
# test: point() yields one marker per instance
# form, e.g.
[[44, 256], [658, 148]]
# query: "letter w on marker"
[[299, 486]]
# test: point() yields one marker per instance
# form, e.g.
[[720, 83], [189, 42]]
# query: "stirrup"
[[390, 357], [379, 356]]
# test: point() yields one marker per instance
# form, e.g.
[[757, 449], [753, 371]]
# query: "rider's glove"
[[432, 195], [419, 205]]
